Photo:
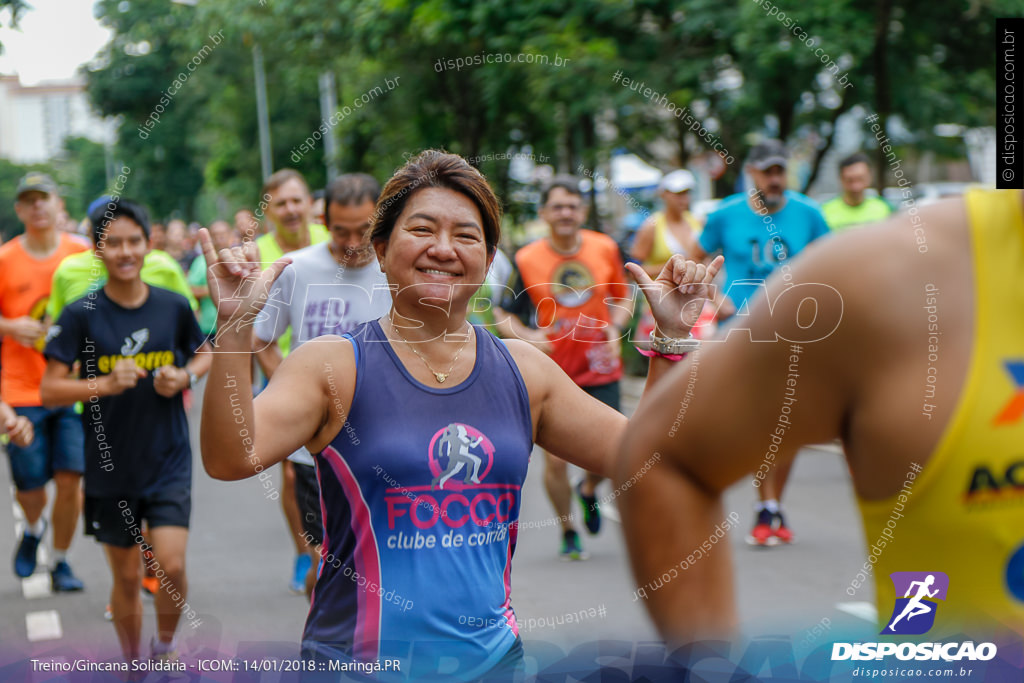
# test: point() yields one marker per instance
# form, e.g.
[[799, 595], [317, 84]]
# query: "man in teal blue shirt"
[[758, 232]]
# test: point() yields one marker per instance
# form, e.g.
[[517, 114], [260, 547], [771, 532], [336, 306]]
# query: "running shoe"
[[763, 533], [150, 585], [571, 548], [591, 511], [108, 614], [25, 556], [63, 580], [159, 653], [171, 656], [302, 564], [779, 529]]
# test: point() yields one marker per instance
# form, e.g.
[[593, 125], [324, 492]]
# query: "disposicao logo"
[[914, 614]]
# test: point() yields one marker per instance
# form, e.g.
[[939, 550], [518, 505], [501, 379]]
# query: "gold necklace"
[[439, 376]]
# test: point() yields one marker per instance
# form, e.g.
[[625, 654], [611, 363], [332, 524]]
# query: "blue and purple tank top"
[[420, 493]]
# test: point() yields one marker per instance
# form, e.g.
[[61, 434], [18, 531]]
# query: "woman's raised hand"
[[239, 286], [677, 296]]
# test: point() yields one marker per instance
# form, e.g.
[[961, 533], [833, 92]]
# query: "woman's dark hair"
[[436, 168]]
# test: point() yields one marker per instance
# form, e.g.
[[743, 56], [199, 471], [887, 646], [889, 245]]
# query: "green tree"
[[82, 169], [928, 67], [140, 79], [741, 70], [10, 173]]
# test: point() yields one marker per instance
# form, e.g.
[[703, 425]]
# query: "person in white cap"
[[668, 232], [673, 231]]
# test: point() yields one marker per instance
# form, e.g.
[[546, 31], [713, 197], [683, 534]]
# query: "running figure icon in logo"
[[916, 606], [455, 442], [133, 344]]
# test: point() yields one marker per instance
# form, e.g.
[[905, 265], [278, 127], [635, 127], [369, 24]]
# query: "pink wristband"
[[674, 357]]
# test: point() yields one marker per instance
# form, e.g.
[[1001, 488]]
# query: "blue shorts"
[[59, 445]]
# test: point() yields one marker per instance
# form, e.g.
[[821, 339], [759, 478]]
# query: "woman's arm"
[[241, 437]]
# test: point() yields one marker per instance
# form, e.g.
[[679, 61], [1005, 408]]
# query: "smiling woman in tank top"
[[422, 425]]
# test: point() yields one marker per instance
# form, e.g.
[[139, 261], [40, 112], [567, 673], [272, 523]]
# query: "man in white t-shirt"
[[329, 288]]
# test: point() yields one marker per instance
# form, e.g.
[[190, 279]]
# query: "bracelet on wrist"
[[671, 346]]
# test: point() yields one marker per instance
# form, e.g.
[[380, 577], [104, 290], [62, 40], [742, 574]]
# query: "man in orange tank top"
[[27, 264], [572, 284]]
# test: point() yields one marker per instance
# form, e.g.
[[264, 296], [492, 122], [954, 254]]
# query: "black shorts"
[[118, 521], [307, 495], [607, 394]]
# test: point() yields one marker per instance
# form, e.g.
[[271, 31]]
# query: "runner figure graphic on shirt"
[[459, 443], [915, 606], [135, 342]]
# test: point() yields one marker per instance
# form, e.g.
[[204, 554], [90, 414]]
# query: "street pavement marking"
[[43, 625], [861, 610], [36, 586]]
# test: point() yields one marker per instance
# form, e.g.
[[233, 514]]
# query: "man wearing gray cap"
[[758, 231], [27, 264]]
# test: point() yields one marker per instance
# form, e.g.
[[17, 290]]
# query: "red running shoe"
[[780, 531], [763, 533]]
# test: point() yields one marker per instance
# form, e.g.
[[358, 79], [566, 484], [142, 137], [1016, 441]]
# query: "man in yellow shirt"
[[290, 210], [854, 207]]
